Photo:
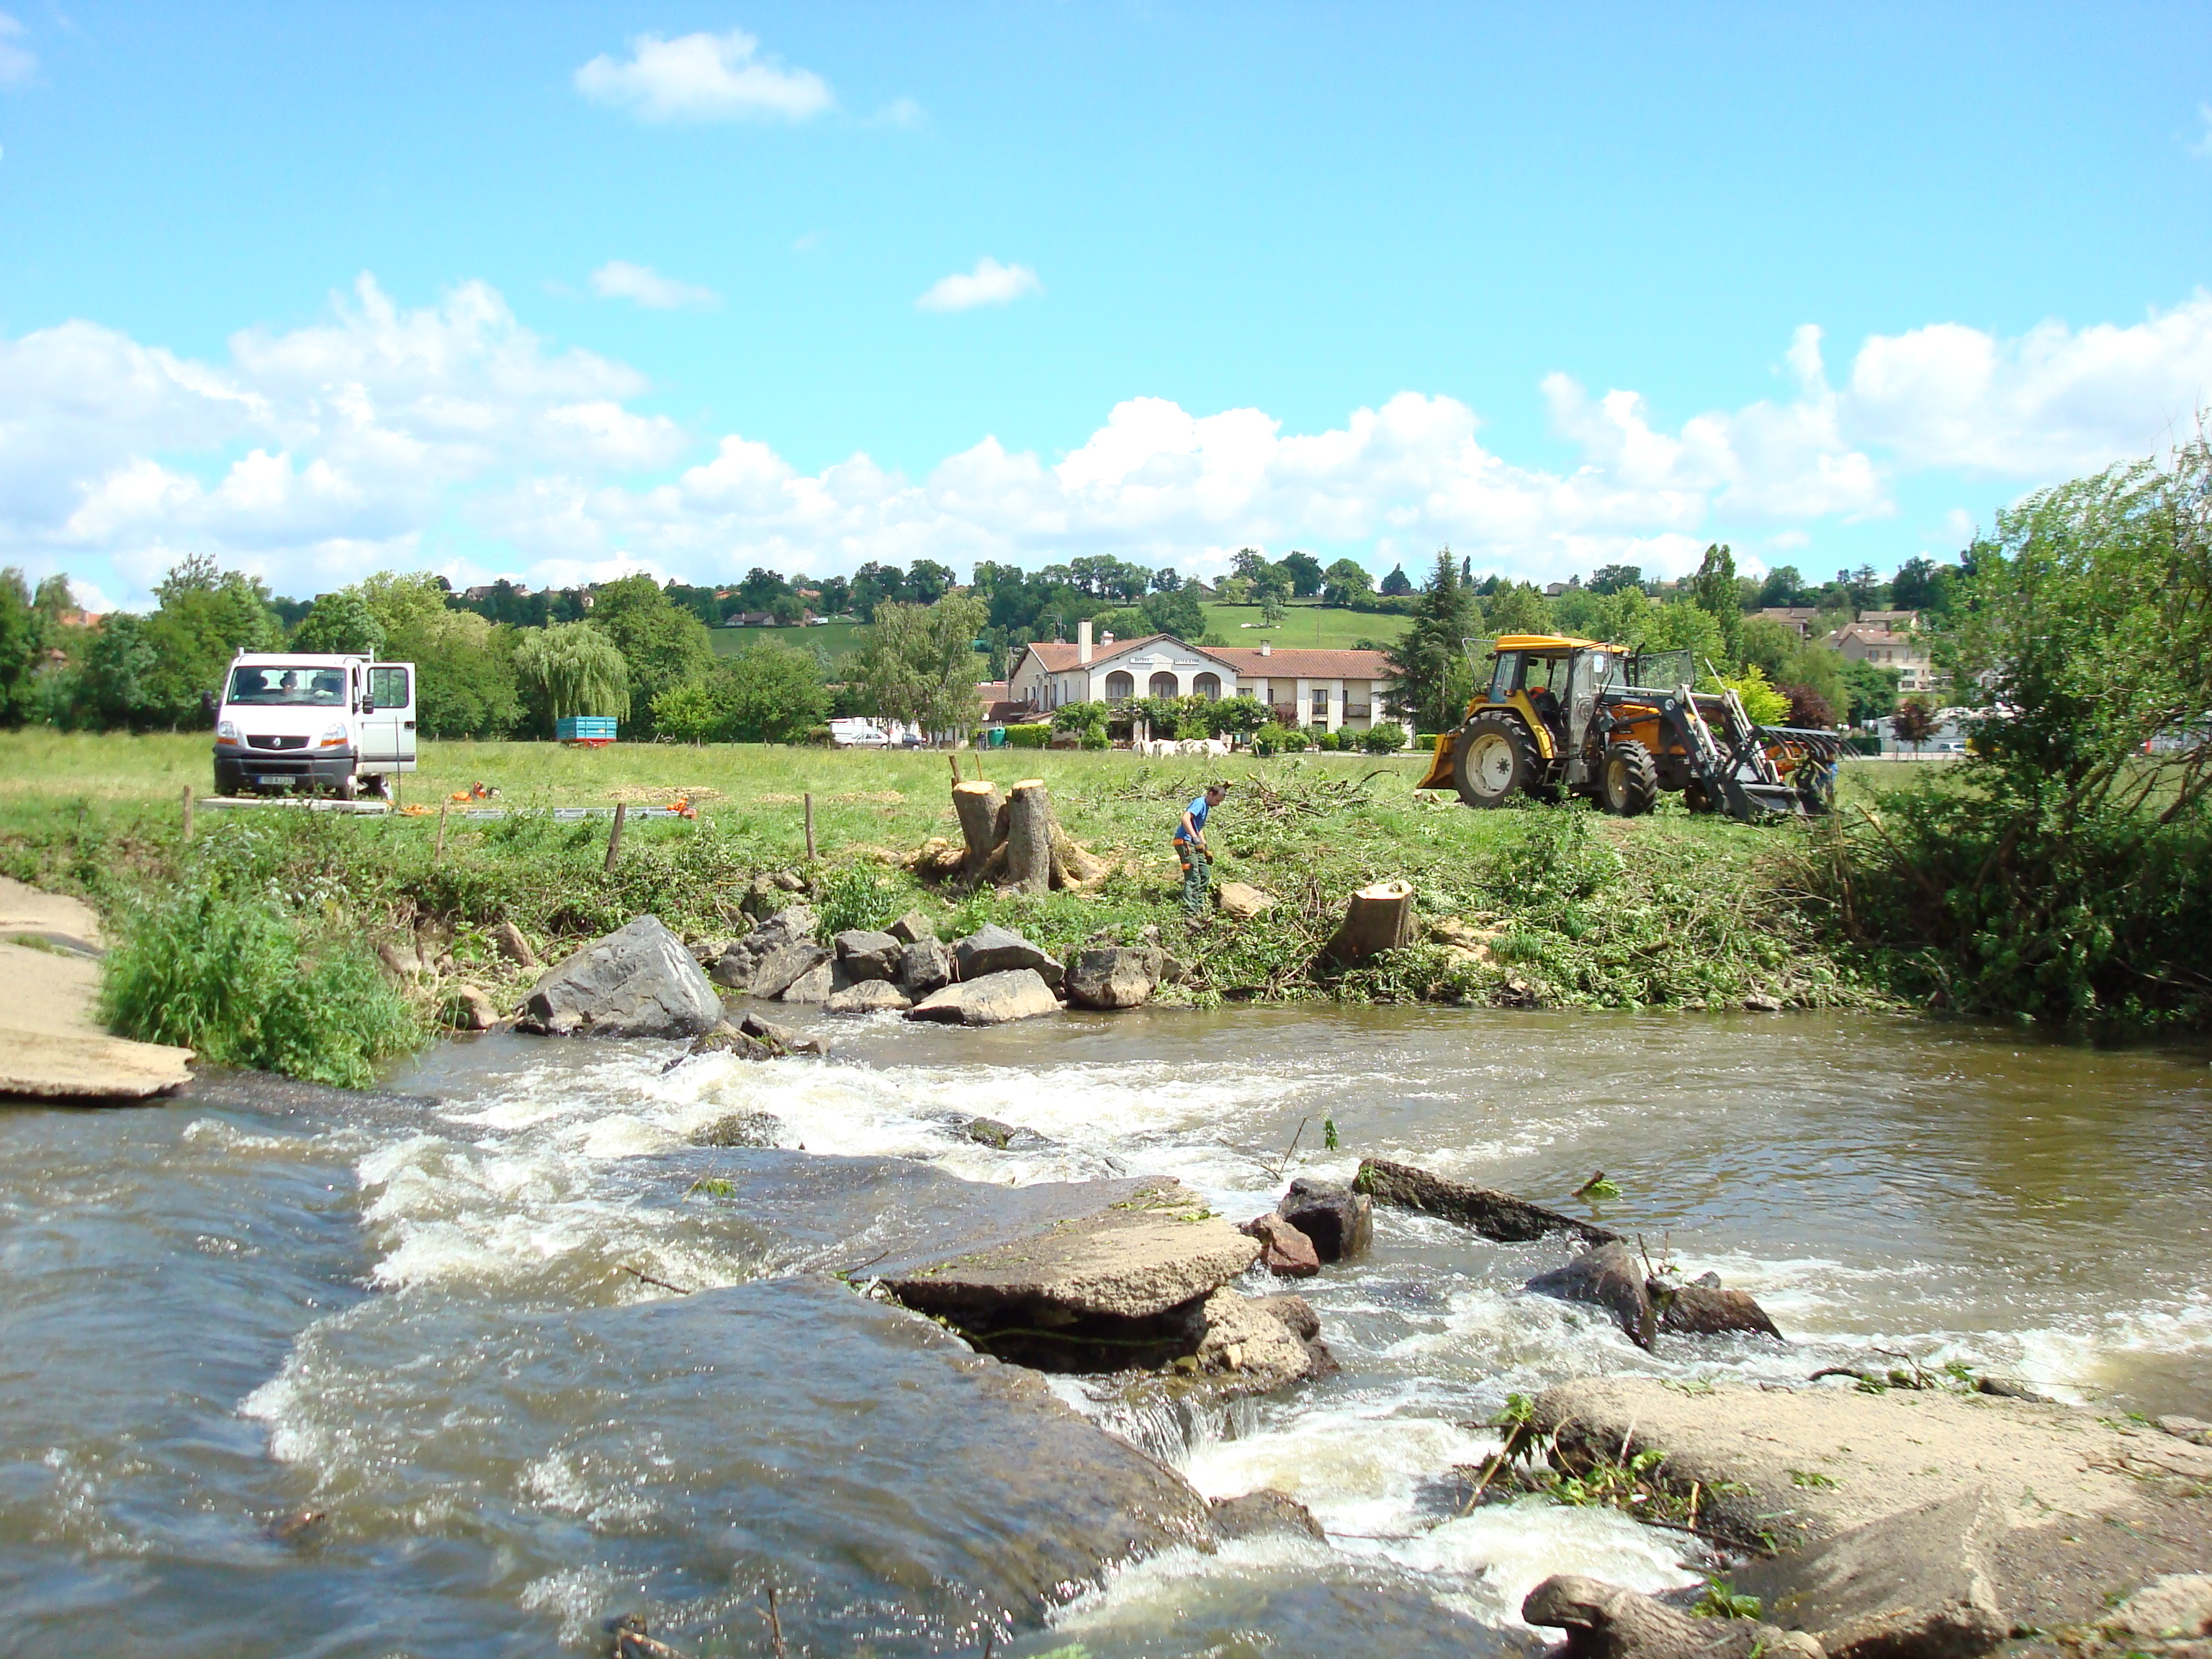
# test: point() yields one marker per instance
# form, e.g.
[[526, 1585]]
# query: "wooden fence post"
[[810, 827], [438, 852], [188, 811], [614, 839]]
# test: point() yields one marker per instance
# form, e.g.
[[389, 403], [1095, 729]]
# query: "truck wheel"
[[1630, 780], [1494, 757]]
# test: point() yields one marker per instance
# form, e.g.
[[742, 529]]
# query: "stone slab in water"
[[1493, 1214], [1125, 1255]]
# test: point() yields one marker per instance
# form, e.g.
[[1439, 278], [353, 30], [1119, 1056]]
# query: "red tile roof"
[[1293, 662], [1058, 656]]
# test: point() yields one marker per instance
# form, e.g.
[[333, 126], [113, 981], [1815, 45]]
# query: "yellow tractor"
[[1554, 715]]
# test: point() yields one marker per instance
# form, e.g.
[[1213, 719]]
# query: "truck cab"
[[288, 721]]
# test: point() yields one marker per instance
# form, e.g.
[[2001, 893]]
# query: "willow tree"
[[573, 669], [922, 667]]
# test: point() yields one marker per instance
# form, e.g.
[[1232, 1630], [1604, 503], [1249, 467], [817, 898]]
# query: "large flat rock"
[[1824, 1459], [43, 1065], [1130, 1251]]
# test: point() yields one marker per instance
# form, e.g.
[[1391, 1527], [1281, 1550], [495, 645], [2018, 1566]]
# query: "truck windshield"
[[288, 688]]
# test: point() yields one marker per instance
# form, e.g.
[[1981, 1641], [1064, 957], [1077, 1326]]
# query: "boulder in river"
[[1283, 1250], [864, 953], [1604, 1621], [1608, 1277], [993, 1000], [1493, 1214], [996, 949], [637, 981], [1697, 1309], [1248, 1345], [924, 966], [817, 984], [1254, 1514], [774, 972], [868, 996], [1339, 1222], [1913, 1583], [1112, 976]]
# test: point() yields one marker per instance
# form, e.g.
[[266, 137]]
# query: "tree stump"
[[1074, 866], [1377, 919], [1029, 837], [977, 803]]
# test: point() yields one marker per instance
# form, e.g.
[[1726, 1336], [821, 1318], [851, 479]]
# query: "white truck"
[[287, 722]]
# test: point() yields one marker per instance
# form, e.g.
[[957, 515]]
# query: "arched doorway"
[[1207, 685], [1163, 685], [1120, 687]]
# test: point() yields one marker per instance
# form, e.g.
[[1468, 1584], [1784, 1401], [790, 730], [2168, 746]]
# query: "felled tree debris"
[[1493, 1214]]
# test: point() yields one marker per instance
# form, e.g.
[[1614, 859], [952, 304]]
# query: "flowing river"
[[425, 1316]]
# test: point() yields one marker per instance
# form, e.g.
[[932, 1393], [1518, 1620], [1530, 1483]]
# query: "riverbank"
[[53, 1045], [1530, 907]]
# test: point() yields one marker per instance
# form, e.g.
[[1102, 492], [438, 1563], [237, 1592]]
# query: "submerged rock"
[[1697, 1309], [739, 1130], [1493, 1214], [869, 996], [993, 1000], [1604, 1621], [1254, 1513], [1339, 1222], [1608, 1277], [637, 981]]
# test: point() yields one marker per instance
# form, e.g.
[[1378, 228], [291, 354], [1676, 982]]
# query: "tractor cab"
[[1554, 682]]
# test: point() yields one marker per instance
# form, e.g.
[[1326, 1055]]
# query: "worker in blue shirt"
[[1191, 848]]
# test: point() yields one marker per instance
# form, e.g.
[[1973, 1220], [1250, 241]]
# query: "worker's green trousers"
[[1193, 879]]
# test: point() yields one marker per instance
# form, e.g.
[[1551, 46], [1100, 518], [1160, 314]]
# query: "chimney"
[[1266, 648], [1083, 643]]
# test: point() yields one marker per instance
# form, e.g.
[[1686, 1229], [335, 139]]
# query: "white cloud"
[[619, 279], [2053, 402], [703, 77], [386, 435], [17, 64], [989, 284]]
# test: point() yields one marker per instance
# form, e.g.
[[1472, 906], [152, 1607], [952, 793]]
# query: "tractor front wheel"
[[1494, 759], [1630, 782]]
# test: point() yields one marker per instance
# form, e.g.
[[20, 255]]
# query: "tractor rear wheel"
[[1630, 782], [1494, 757]]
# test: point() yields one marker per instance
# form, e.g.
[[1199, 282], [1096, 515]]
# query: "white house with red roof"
[[1330, 689]]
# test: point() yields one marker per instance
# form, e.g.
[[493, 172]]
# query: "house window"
[[1207, 685], [1320, 704], [1120, 687], [1163, 685]]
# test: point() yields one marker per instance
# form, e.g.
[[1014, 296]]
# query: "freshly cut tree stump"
[[977, 803], [1029, 837], [1074, 866], [1378, 918]]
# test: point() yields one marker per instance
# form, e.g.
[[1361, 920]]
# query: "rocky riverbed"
[[558, 1331]]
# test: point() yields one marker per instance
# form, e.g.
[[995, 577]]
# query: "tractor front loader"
[[1558, 715]]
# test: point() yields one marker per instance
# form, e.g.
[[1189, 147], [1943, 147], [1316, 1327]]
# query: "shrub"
[[1094, 735], [1029, 736], [1384, 738], [853, 895], [1074, 716], [234, 981]]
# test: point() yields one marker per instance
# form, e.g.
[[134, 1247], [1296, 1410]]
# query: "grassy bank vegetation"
[[1536, 905]]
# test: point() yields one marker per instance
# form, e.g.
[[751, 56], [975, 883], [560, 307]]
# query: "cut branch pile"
[[1015, 843]]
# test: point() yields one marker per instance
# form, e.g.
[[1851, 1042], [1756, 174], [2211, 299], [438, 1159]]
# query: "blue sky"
[[557, 291]]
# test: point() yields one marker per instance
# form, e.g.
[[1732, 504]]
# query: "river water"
[[420, 1315]]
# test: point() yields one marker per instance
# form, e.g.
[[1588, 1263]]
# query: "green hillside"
[[1308, 625], [840, 638]]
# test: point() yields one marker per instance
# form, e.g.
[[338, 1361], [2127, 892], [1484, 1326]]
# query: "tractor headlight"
[[226, 731], [334, 733]]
